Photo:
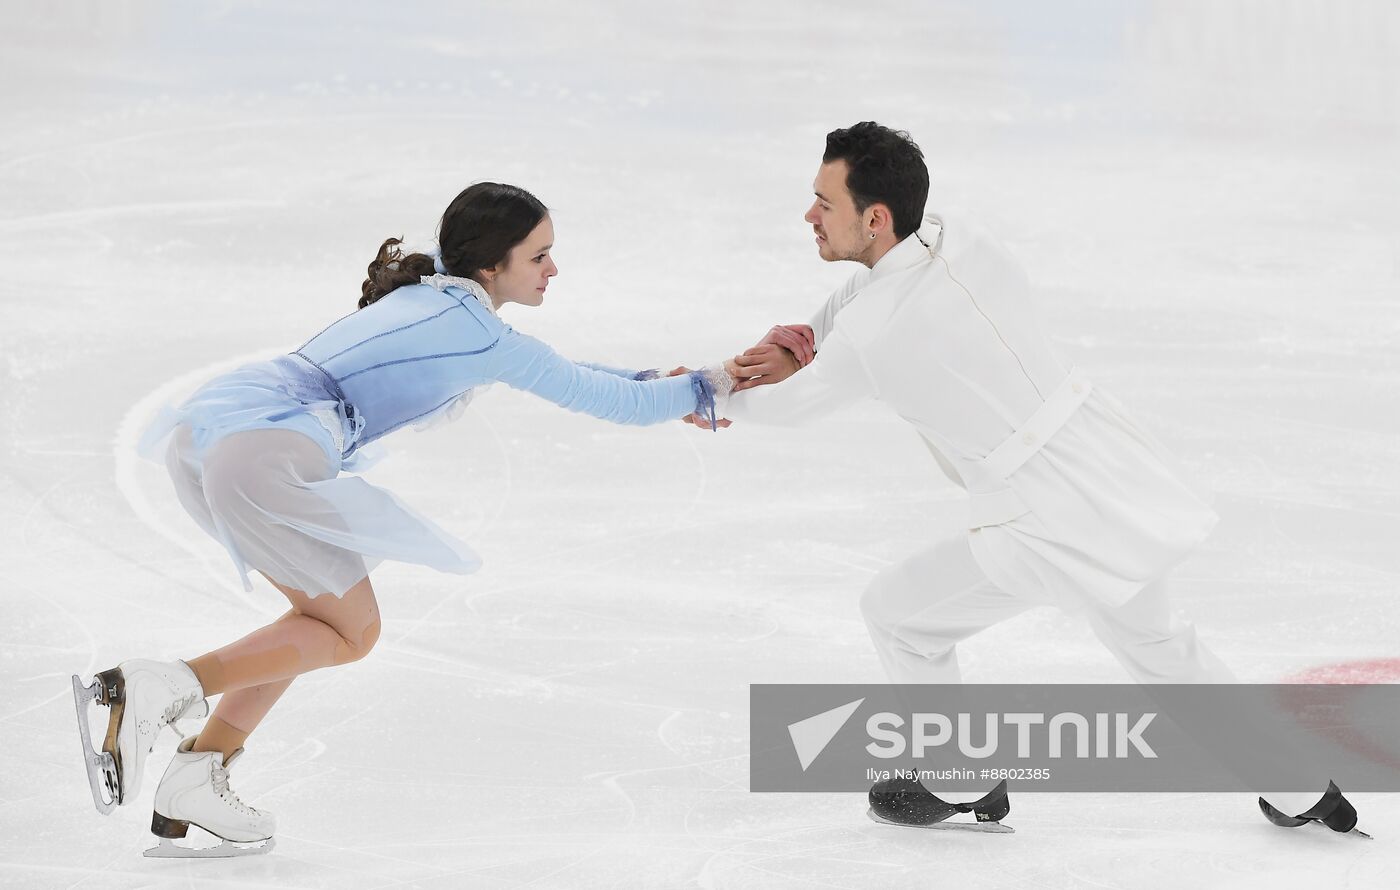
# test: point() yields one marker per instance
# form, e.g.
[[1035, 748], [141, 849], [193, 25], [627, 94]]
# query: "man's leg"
[[1154, 644], [918, 610], [1157, 646]]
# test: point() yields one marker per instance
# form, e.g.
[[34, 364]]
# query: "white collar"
[[441, 282], [915, 248]]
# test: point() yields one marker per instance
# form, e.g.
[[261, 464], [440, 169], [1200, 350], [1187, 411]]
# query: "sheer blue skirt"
[[254, 458]]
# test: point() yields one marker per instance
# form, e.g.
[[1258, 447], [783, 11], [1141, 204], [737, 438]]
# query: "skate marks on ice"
[[224, 849], [83, 218]]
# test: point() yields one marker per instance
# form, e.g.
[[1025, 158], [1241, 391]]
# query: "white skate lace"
[[177, 708], [221, 788]]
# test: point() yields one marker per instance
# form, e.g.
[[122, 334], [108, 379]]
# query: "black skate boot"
[[1334, 811], [904, 801]]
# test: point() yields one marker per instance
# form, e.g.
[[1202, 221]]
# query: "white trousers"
[[917, 612]]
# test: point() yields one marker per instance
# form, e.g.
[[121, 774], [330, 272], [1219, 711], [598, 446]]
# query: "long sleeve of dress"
[[525, 363], [835, 378], [628, 373]]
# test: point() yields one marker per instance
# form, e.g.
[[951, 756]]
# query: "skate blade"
[[101, 768], [225, 849], [984, 827], [1355, 832]]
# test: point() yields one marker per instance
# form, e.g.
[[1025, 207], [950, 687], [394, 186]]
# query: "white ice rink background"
[[1204, 194]]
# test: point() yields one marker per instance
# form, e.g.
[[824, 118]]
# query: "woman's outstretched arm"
[[523, 362], [628, 373]]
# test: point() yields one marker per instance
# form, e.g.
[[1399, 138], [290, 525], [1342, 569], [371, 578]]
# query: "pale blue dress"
[[413, 357]]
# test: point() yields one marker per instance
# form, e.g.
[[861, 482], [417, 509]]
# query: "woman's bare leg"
[[238, 714], [253, 672]]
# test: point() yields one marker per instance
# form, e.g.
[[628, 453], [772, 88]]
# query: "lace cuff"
[[712, 386], [648, 374]]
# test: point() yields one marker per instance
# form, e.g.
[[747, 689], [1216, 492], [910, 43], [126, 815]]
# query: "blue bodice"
[[416, 350]]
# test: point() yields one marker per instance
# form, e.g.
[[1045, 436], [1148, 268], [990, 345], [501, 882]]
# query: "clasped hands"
[[783, 351]]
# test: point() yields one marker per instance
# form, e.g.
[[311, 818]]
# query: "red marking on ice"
[[1374, 670], [1329, 716]]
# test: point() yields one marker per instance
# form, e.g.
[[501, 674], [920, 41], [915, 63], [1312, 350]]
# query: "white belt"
[[1001, 504], [994, 508]]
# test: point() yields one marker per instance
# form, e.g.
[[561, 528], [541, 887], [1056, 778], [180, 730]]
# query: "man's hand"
[[795, 338], [764, 364]]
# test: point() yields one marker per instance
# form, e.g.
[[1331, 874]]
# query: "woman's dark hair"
[[883, 166], [477, 231]]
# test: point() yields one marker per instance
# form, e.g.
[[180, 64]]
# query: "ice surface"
[[1204, 193]]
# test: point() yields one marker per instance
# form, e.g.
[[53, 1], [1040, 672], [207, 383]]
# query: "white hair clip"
[[436, 254]]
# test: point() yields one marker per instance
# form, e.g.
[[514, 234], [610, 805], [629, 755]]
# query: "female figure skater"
[[255, 457]]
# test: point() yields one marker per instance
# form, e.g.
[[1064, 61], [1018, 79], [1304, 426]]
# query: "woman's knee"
[[355, 616], [356, 646]]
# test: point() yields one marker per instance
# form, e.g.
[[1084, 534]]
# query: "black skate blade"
[[101, 768], [948, 825], [1355, 832]]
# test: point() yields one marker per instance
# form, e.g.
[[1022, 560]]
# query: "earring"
[[872, 236]]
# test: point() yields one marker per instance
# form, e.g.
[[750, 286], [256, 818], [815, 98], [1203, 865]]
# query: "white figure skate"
[[194, 791], [144, 696]]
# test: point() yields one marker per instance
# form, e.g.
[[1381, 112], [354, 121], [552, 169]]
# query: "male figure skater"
[[1070, 504]]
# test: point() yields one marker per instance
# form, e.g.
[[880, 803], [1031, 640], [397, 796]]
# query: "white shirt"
[[944, 331], [946, 335]]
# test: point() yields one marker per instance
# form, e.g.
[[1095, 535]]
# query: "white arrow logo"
[[811, 736]]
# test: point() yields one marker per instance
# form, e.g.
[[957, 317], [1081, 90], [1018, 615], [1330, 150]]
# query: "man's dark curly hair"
[[884, 166]]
